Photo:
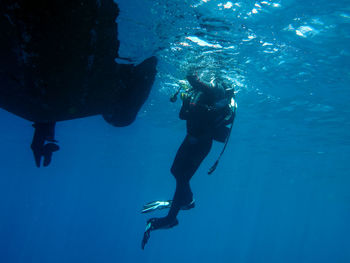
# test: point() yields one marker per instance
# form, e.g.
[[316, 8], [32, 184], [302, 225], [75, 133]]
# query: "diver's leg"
[[188, 158]]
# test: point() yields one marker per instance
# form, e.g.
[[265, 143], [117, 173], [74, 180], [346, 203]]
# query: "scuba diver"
[[208, 108], [44, 132]]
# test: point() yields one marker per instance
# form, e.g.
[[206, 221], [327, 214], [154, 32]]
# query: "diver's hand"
[[44, 132]]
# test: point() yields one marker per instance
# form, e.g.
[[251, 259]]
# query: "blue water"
[[281, 190]]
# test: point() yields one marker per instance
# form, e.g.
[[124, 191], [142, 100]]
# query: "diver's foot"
[[159, 205], [161, 223], [157, 223], [156, 205]]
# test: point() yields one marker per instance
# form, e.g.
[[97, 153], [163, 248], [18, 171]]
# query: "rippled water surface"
[[281, 191], [289, 59]]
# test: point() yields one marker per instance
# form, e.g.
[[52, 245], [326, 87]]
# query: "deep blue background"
[[280, 193]]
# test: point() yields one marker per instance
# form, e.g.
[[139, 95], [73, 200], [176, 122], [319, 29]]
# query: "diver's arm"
[[196, 83], [193, 106], [185, 109]]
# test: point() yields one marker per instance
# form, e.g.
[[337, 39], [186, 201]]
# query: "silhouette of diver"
[[44, 132], [208, 109]]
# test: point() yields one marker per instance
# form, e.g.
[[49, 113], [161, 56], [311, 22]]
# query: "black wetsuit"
[[207, 112]]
